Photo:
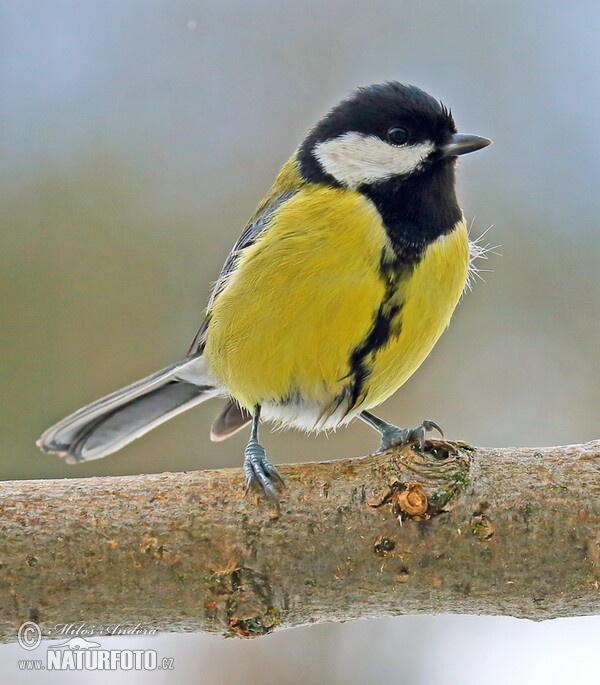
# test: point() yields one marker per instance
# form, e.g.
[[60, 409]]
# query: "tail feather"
[[110, 423], [231, 420]]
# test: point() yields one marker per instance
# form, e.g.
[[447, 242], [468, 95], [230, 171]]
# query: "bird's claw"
[[408, 437], [259, 471], [417, 435]]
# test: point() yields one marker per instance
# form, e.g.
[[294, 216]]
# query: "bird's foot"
[[392, 436], [260, 472]]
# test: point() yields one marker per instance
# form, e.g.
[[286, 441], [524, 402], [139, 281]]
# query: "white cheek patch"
[[354, 158]]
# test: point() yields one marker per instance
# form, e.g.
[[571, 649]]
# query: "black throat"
[[417, 210]]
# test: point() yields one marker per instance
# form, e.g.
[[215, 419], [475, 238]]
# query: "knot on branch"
[[424, 484], [244, 605]]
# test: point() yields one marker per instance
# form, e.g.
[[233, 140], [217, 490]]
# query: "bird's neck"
[[417, 211]]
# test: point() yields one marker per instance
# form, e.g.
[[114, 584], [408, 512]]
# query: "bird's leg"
[[257, 467], [392, 435]]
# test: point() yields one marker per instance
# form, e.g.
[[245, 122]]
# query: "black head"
[[380, 132]]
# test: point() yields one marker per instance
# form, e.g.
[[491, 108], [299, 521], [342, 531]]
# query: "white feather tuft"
[[478, 250]]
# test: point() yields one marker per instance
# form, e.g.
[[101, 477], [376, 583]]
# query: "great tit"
[[337, 290]]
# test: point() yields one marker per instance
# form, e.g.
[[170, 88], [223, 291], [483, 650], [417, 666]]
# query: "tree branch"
[[511, 531]]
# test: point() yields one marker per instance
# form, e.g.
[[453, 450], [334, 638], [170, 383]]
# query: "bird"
[[335, 293]]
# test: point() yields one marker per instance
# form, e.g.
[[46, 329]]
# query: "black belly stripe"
[[392, 271], [415, 211], [377, 338]]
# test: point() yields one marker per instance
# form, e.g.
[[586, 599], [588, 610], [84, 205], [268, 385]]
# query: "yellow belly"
[[304, 296]]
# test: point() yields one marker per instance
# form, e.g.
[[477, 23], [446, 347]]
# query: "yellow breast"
[[431, 295], [302, 298], [305, 295]]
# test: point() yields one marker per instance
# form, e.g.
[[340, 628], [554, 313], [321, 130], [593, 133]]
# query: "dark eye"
[[397, 135]]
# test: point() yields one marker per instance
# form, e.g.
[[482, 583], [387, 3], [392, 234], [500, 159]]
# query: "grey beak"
[[461, 143]]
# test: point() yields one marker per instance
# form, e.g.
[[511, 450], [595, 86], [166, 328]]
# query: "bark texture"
[[512, 531]]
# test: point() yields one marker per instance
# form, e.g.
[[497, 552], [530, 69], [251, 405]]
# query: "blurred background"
[[135, 140]]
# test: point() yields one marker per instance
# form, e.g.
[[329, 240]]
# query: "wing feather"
[[249, 236]]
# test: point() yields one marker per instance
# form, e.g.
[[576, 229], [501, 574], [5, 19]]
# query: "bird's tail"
[[110, 423]]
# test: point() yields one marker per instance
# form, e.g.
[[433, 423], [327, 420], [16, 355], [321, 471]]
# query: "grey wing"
[[249, 237]]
